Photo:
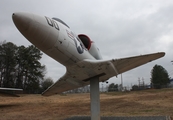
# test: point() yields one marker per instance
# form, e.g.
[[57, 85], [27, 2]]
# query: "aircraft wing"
[[9, 91], [65, 83], [125, 64], [82, 72]]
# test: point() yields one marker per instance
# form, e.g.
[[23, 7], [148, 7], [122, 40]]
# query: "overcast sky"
[[119, 28]]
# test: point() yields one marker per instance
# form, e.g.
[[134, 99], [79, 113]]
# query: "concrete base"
[[123, 118]]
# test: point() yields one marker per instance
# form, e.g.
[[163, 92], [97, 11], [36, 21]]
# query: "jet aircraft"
[[78, 53]]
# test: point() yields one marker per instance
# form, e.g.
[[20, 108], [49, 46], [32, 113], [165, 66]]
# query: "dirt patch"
[[37, 107]]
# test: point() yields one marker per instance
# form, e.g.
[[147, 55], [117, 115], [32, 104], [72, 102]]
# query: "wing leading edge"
[[10, 91], [82, 72]]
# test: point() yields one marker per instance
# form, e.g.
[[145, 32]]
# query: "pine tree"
[[20, 67], [46, 83], [159, 77], [32, 70], [7, 63], [113, 87]]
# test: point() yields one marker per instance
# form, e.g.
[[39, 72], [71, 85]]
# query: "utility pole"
[[121, 82], [139, 82], [143, 84]]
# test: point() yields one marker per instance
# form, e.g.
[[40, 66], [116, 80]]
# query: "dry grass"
[[37, 107]]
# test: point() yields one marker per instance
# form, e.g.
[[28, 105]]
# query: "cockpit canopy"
[[59, 20]]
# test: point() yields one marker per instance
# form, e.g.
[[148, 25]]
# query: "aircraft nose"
[[22, 21], [25, 23], [36, 29]]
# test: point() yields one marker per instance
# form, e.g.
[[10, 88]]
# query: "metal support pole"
[[95, 99]]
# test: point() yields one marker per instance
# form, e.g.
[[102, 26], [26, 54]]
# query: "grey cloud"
[[119, 28]]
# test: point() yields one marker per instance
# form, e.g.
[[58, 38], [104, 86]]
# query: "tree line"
[[159, 79], [20, 67]]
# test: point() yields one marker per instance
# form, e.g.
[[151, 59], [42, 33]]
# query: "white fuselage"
[[52, 37]]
